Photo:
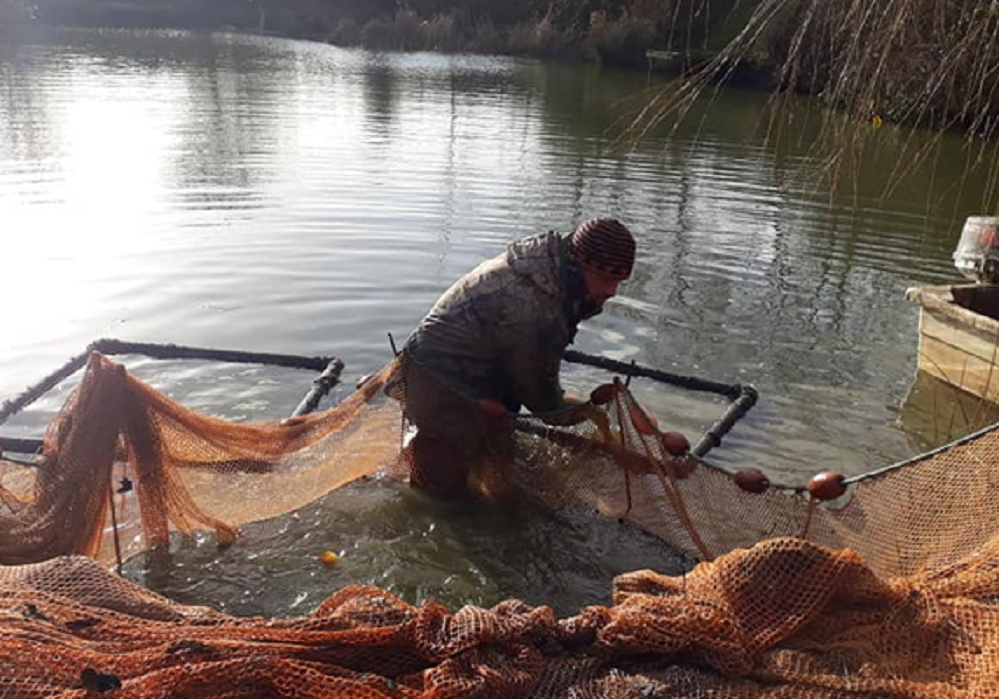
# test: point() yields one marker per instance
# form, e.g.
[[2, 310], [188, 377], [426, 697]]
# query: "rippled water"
[[287, 196]]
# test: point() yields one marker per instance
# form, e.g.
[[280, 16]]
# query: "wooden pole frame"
[[743, 396], [331, 368]]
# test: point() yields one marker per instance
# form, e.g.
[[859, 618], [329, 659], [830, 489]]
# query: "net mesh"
[[891, 589]]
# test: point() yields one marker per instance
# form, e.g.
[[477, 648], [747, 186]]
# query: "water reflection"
[[379, 95], [222, 135], [938, 413]]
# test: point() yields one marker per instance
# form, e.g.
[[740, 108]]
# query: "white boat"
[[959, 324]]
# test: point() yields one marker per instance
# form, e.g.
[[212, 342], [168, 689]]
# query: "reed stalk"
[[918, 64]]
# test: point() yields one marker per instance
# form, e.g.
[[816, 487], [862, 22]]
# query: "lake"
[[275, 195]]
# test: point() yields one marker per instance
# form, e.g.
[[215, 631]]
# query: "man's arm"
[[532, 361]]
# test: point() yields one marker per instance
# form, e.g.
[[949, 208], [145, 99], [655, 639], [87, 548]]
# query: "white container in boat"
[[977, 254]]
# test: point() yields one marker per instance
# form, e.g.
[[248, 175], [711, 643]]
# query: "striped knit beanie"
[[605, 246]]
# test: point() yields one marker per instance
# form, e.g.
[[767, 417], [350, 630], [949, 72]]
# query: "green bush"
[[408, 31], [523, 39], [624, 42], [485, 38], [439, 34], [543, 39], [346, 33], [379, 34]]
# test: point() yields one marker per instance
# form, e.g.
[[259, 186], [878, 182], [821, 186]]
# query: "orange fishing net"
[[890, 589]]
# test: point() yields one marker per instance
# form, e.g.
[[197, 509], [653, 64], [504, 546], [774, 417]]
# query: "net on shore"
[[885, 586]]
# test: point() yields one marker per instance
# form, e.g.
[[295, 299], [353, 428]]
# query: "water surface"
[[275, 195]]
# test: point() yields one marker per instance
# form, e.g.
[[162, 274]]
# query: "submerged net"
[[890, 589]]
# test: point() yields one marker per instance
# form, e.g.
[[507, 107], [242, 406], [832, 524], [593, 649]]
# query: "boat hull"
[[959, 336]]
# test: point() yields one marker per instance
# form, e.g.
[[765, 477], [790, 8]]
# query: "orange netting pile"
[[891, 589]]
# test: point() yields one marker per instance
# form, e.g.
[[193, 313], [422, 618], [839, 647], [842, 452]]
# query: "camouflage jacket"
[[500, 331]]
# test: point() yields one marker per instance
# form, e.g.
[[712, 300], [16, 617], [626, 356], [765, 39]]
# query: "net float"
[[675, 443], [603, 394], [328, 558], [644, 421], [752, 480], [490, 407], [827, 485]]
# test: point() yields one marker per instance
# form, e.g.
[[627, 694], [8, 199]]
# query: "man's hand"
[[576, 410]]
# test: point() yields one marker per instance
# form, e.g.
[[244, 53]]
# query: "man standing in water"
[[494, 342]]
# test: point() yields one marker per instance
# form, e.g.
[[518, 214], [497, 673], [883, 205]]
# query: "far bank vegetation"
[[934, 63], [614, 32]]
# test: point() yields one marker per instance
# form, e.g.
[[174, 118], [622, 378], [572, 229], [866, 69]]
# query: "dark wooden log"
[[614, 366], [321, 386], [743, 396], [21, 446], [36, 391], [331, 368], [170, 351], [735, 412]]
